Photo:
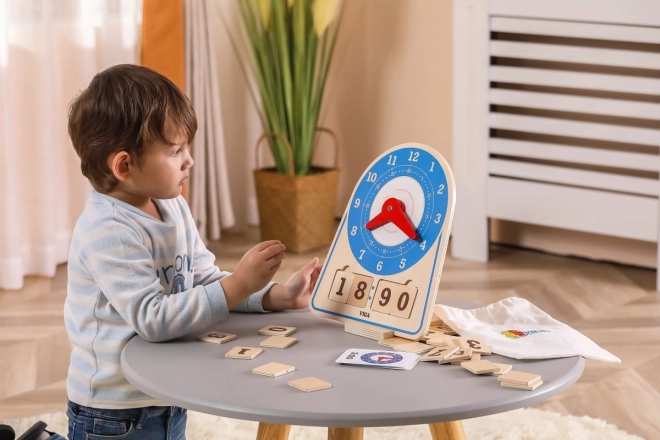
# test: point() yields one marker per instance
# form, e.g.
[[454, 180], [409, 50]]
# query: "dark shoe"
[[7, 432], [34, 432]]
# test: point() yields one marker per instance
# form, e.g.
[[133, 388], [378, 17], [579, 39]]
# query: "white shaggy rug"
[[521, 424]]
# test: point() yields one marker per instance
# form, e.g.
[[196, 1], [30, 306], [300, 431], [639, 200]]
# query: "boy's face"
[[163, 168]]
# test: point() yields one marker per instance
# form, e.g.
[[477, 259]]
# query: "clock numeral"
[[354, 230], [379, 266], [359, 292], [437, 218], [356, 203], [423, 245], [340, 292], [405, 300], [343, 280], [402, 264], [432, 165], [414, 156], [441, 189], [361, 253], [402, 303], [385, 296], [371, 177], [391, 160]]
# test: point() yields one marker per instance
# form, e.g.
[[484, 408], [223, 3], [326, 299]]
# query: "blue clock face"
[[414, 180]]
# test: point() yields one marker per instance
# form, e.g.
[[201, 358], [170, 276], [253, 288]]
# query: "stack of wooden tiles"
[[520, 380]]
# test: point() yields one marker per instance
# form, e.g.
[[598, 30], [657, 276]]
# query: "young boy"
[[137, 265]]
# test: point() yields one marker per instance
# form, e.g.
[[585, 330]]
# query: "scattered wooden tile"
[[477, 345], [243, 352], [413, 347], [309, 384], [438, 353], [459, 355], [394, 341], [519, 377], [480, 367], [273, 369], [216, 337], [277, 330], [278, 342], [531, 387], [475, 356], [503, 369]]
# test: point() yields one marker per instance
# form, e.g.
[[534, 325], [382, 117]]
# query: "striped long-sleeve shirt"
[[130, 273]]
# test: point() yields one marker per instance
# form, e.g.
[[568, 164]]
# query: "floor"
[[615, 306]]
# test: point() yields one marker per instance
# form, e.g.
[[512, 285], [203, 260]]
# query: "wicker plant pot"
[[297, 210]]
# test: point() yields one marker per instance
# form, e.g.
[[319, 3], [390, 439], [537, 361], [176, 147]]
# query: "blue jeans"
[[149, 423]]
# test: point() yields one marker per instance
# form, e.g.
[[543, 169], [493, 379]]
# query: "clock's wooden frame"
[[425, 274]]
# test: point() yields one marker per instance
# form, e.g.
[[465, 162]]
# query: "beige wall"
[[390, 84]]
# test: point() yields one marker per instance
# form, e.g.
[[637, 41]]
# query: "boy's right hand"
[[254, 271]]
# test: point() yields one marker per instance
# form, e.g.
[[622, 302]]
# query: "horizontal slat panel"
[[630, 12], [639, 34], [567, 176], [580, 104], [562, 127], [567, 153], [578, 209], [574, 80], [575, 54]]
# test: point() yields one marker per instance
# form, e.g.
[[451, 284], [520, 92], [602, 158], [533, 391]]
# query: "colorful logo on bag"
[[381, 358], [515, 334]]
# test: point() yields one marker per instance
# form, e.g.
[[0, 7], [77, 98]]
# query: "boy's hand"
[[253, 272], [296, 292]]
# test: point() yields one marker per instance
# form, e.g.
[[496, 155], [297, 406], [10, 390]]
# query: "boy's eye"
[[177, 152]]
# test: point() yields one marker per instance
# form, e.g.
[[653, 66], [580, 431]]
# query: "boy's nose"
[[189, 162]]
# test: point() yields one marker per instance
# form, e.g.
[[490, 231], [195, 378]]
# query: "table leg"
[[272, 431], [447, 431], [345, 433]]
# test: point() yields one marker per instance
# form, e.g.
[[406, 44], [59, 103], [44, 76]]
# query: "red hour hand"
[[394, 210]]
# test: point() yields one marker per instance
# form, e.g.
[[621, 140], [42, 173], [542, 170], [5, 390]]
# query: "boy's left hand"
[[296, 292]]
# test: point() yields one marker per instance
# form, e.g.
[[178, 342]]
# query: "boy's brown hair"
[[124, 109]]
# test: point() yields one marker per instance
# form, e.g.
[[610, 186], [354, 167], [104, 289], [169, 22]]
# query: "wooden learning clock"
[[384, 265]]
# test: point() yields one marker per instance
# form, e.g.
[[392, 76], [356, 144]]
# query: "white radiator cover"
[[556, 112]]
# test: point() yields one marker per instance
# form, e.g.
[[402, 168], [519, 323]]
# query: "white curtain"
[[49, 50], [210, 200]]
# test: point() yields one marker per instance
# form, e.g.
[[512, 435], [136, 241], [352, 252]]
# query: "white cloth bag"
[[516, 328]]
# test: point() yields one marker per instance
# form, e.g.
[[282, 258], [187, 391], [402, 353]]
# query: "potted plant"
[[291, 44]]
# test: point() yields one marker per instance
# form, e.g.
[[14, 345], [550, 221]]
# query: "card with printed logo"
[[379, 358]]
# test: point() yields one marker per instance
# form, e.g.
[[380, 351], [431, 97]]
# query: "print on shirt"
[[175, 274]]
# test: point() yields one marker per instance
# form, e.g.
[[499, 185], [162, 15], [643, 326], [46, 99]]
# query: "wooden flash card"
[[277, 330], [519, 377], [243, 352], [278, 342], [273, 369], [531, 387], [309, 384], [477, 345], [216, 337], [503, 368], [480, 367]]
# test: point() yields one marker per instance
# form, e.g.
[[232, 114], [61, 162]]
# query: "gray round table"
[[195, 375]]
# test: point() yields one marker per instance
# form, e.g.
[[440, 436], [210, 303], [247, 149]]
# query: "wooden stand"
[[345, 433], [447, 431], [439, 431], [272, 431]]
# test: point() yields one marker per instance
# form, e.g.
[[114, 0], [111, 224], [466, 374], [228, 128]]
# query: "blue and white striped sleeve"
[[123, 268]]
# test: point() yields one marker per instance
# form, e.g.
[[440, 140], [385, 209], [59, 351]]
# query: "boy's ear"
[[120, 165]]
